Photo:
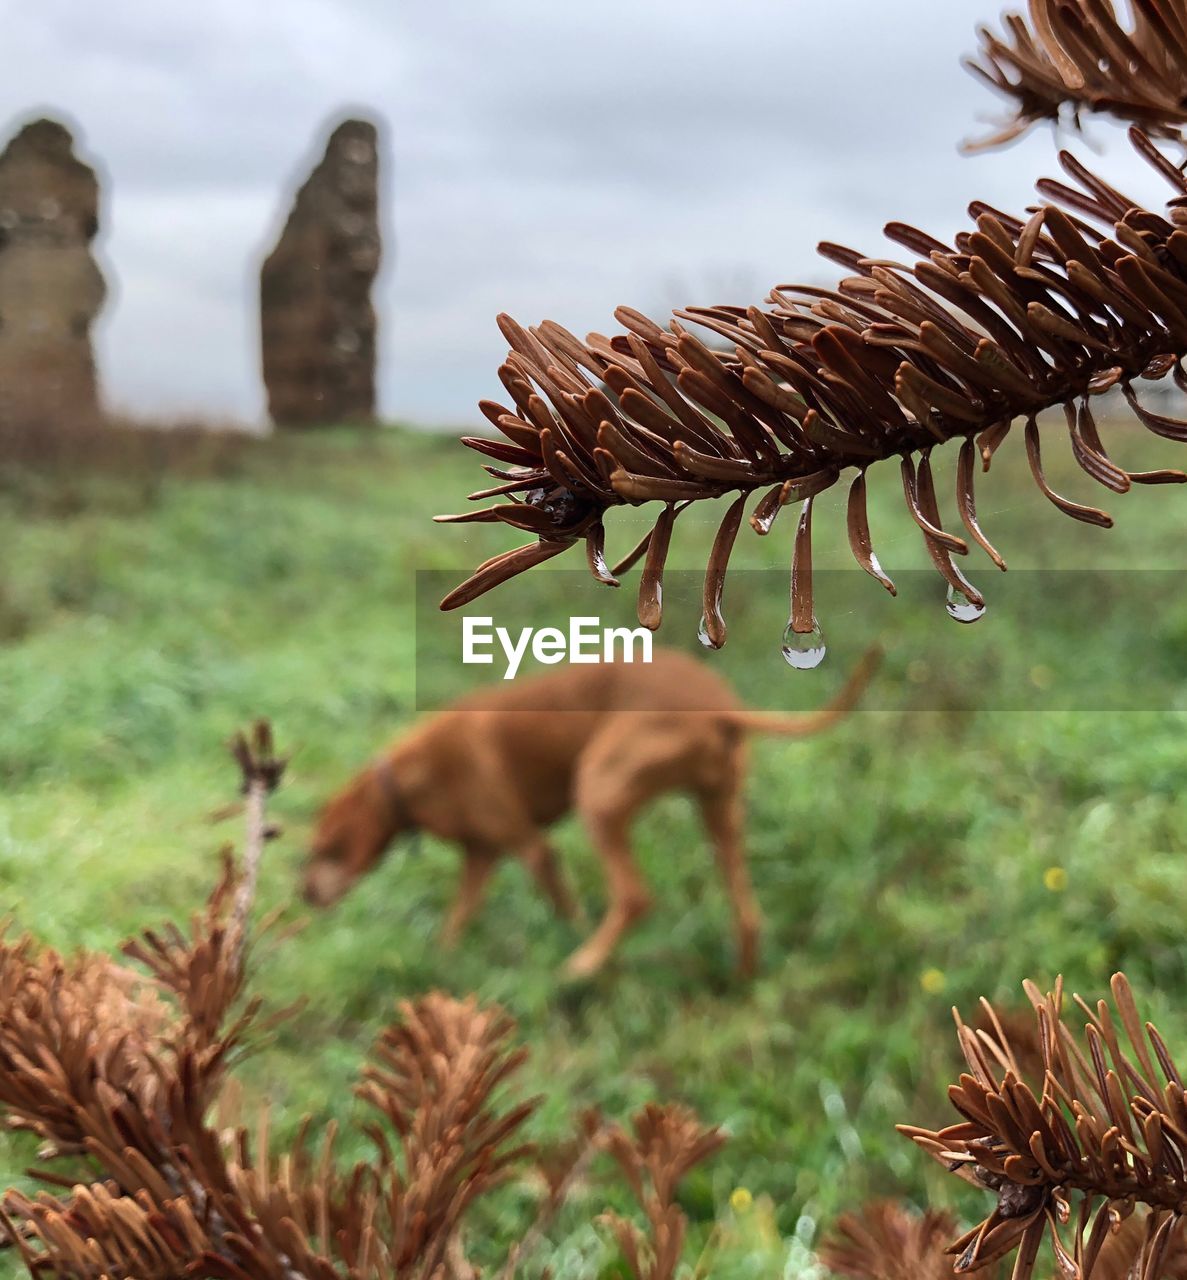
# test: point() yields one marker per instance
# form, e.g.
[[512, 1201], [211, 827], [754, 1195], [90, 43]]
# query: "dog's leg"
[[721, 808], [541, 860], [629, 897], [634, 758], [477, 865]]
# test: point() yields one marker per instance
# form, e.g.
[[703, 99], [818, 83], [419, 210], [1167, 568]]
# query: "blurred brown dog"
[[495, 770]]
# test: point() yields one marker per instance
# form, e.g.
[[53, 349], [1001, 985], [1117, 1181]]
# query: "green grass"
[[142, 626]]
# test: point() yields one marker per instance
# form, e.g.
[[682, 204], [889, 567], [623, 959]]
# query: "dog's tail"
[[801, 723]]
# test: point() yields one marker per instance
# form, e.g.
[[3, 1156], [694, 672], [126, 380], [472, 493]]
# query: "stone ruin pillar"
[[51, 289], [316, 318]]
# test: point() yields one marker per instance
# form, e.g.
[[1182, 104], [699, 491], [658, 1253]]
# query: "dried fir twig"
[[119, 1072], [237, 1210], [262, 770], [885, 1241], [1070, 56], [664, 1144], [1070, 1158], [123, 1070], [104, 1063], [562, 1170], [1121, 1256], [1022, 314], [434, 1082]]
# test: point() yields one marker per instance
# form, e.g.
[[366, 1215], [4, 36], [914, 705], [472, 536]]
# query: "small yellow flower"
[[1055, 879], [741, 1200], [932, 981]]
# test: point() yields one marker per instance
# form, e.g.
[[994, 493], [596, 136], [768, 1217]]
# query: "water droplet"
[[803, 649], [703, 634], [962, 609]]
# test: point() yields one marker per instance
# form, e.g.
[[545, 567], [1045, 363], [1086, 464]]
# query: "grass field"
[[944, 844]]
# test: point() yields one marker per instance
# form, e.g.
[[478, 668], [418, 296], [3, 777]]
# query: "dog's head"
[[352, 834]]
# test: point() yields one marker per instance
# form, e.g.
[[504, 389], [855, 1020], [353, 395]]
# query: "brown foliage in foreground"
[[1091, 1157], [118, 1071], [886, 1241]]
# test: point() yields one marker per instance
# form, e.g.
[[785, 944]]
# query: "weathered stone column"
[[51, 288], [316, 318]]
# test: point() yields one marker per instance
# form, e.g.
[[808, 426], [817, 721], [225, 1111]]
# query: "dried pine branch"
[[665, 1143], [56, 1012], [562, 1169], [91, 1052], [121, 1068], [434, 1080], [1023, 314], [1016, 1027], [124, 1070], [1121, 1255], [121, 1072], [241, 1211], [885, 1241], [262, 770], [1104, 1135], [1072, 56], [89, 1048]]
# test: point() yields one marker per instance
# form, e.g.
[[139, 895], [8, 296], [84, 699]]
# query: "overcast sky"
[[544, 157]]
